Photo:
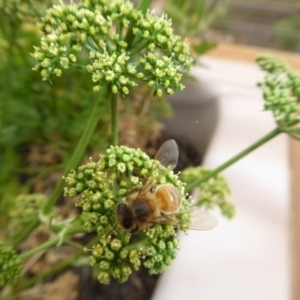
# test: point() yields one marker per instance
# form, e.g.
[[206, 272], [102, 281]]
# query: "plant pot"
[[196, 112]]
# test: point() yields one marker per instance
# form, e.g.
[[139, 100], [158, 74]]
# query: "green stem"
[[53, 241], [138, 49], [142, 6], [78, 153], [114, 120], [142, 243], [73, 244], [26, 230], [234, 159], [74, 161], [40, 248]]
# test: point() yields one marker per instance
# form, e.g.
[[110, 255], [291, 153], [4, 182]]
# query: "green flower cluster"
[[125, 46], [213, 192], [23, 9], [281, 91], [25, 206], [10, 265], [101, 186]]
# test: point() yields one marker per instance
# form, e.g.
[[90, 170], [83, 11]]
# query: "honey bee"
[[153, 204]]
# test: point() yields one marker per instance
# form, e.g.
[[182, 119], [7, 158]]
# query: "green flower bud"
[[103, 277], [125, 90], [116, 272], [114, 89], [124, 253], [88, 227], [97, 250], [104, 265], [10, 265], [115, 244], [92, 261], [100, 230], [96, 88], [109, 204], [126, 271], [121, 167], [109, 255], [104, 220]]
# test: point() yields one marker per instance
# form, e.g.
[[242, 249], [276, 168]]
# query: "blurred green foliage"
[[287, 30], [192, 18], [33, 112]]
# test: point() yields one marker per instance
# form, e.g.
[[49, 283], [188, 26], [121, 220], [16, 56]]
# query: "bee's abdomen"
[[169, 198]]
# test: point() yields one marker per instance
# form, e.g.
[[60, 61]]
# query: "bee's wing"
[[168, 154], [201, 220]]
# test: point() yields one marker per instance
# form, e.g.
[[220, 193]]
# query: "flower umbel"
[[10, 265], [101, 186], [154, 55], [213, 192], [19, 10], [281, 91]]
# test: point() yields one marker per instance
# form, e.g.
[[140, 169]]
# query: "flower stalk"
[[114, 119], [51, 242], [74, 161], [234, 159], [79, 150]]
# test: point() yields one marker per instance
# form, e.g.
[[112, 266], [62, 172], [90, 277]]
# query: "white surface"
[[249, 256]]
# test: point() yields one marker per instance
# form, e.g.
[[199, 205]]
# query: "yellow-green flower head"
[[98, 188], [10, 265], [25, 206], [213, 192], [22, 10], [125, 46], [281, 91]]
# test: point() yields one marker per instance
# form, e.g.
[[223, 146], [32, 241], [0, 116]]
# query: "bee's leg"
[[134, 229], [165, 220], [146, 187], [134, 190], [152, 224]]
